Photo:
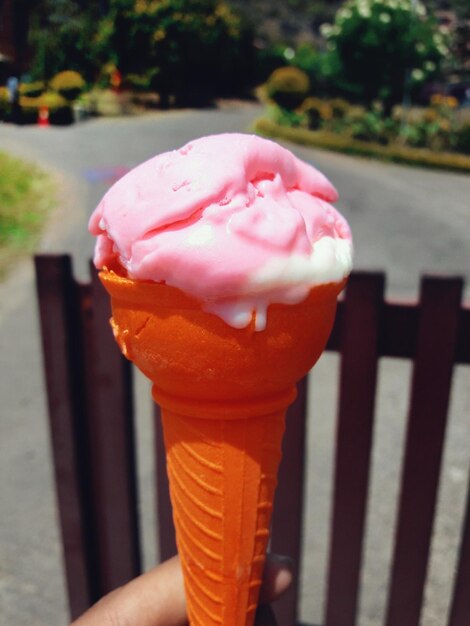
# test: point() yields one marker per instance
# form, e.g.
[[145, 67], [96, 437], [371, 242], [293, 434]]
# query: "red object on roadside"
[[43, 116], [116, 80]]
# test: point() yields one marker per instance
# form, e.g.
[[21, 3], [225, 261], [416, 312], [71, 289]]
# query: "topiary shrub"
[[317, 111], [288, 87], [4, 103], [60, 111], [69, 84], [32, 90], [29, 109], [339, 108]]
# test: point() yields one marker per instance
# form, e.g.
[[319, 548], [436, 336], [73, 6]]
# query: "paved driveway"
[[405, 220]]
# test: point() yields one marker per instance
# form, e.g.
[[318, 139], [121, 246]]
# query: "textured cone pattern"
[[223, 475], [224, 392]]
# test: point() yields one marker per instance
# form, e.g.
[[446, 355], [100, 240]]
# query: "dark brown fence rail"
[[90, 406]]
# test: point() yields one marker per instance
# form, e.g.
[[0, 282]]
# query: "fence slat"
[[460, 606], [436, 346], [399, 332], [288, 505], [112, 454], [166, 528], [59, 307], [463, 339], [359, 346]]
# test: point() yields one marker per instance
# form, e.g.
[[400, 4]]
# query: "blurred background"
[[375, 55], [375, 93]]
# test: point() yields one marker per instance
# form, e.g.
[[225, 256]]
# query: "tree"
[[62, 33], [184, 46], [379, 49]]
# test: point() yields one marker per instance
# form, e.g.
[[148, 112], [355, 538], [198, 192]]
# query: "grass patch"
[[26, 196], [341, 143]]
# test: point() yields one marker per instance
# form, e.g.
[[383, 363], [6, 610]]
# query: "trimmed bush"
[[59, 108], [286, 117], [288, 87], [339, 108], [317, 111], [69, 84], [32, 90], [371, 126], [343, 143], [4, 104]]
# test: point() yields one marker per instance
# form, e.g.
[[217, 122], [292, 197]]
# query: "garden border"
[[340, 143]]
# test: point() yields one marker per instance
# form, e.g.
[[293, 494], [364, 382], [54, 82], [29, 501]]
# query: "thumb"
[[277, 577]]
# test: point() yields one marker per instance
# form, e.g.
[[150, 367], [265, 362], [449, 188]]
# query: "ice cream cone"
[[223, 392], [222, 476]]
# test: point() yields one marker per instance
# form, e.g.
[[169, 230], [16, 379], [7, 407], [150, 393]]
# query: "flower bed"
[[343, 143]]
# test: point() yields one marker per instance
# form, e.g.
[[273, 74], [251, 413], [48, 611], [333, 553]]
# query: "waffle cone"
[[223, 393], [222, 481]]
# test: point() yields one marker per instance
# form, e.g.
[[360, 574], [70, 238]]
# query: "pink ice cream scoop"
[[235, 220]]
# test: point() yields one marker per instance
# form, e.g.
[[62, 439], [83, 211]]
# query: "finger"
[[265, 616], [156, 597], [277, 577]]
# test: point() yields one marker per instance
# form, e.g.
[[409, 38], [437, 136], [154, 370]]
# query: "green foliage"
[[140, 82], [462, 139], [288, 87], [68, 84], [435, 128], [305, 57], [317, 112], [286, 117], [374, 44], [342, 143], [270, 57], [26, 196], [371, 125], [4, 103], [62, 37], [59, 108], [339, 108], [52, 100], [274, 56], [190, 45], [33, 90]]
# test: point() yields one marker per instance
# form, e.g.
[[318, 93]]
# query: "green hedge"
[[340, 143]]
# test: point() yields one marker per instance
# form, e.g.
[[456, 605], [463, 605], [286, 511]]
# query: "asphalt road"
[[405, 221]]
